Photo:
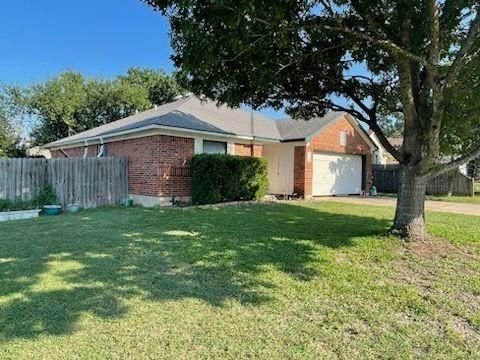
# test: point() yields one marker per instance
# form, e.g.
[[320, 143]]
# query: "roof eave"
[[81, 142]]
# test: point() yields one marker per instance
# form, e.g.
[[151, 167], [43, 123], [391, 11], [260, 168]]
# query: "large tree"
[[161, 88], [70, 103], [378, 60], [10, 132], [10, 140]]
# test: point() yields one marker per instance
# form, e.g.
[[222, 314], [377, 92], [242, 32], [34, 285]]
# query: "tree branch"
[[372, 123], [455, 164], [462, 58], [383, 43], [384, 141]]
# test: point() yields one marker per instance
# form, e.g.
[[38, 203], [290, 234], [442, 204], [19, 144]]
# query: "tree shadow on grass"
[[54, 270]]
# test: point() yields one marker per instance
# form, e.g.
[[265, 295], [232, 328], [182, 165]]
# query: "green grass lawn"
[[456, 199], [460, 199], [297, 280]]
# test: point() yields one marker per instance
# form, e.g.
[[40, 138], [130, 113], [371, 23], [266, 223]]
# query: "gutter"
[[158, 127]]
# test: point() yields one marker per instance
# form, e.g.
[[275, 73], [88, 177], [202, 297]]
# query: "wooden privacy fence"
[[88, 182], [387, 179]]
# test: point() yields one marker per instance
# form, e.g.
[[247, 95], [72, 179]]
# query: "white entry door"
[[336, 174]]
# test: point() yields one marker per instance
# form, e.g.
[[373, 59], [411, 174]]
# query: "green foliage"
[[70, 103], [219, 178], [161, 88], [10, 140], [17, 205], [46, 196], [7, 205], [314, 56]]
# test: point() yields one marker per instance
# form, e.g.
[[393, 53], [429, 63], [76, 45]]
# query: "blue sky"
[[99, 38]]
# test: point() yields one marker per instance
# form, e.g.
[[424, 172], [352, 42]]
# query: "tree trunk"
[[409, 220]]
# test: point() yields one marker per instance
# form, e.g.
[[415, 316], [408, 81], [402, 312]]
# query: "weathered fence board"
[[387, 179], [89, 182]]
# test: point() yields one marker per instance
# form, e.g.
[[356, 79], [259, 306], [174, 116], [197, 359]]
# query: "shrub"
[[5, 205], [220, 178], [46, 196], [19, 204]]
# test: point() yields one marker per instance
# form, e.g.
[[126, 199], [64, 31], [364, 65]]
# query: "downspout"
[[85, 150], [102, 148]]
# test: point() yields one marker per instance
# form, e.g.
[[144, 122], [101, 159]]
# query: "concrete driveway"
[[442, 206]]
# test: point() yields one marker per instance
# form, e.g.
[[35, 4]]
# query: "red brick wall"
[[246, 150], [75, 152], [299, 164], [329, 141], [159, 165]]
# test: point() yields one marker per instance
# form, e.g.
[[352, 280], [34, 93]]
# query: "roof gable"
[[291, 129]]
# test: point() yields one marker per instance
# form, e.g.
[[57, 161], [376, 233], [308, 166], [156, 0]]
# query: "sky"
[[99, 38]]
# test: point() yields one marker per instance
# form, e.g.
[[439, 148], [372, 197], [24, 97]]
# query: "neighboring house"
[[381, 156], [323, 156], [38, 152]]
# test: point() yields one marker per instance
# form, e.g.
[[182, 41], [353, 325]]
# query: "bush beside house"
[[220, 178]]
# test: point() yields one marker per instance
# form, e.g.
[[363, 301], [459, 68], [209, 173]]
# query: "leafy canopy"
[[70, 103], [10, 139], [413, 62]]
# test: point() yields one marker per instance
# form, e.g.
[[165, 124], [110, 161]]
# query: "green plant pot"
[[128, 203], [52, 210]]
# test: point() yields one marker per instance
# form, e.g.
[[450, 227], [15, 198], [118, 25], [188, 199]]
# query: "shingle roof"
[[191, 113], [187, 113], [291, 129]]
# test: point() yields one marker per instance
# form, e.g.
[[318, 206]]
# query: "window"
[[214, 147], [343, 138]]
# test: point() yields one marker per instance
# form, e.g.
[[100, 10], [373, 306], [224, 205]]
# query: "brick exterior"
[[159, 165], [246, 150], [329, 141], [75, 152]]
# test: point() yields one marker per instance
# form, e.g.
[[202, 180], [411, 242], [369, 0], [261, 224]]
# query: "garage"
[[337, 174]]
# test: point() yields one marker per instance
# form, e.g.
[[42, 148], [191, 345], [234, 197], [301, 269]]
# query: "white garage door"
[[336, 174]]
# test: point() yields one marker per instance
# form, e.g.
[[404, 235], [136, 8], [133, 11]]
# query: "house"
[[37, 151], [323, 156], [381, 156]]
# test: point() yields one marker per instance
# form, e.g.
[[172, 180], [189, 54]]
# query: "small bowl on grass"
[[52, 210], [73, 208]]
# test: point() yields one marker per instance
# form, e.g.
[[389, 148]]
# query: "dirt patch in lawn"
[[432, 248], [432, 253]]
